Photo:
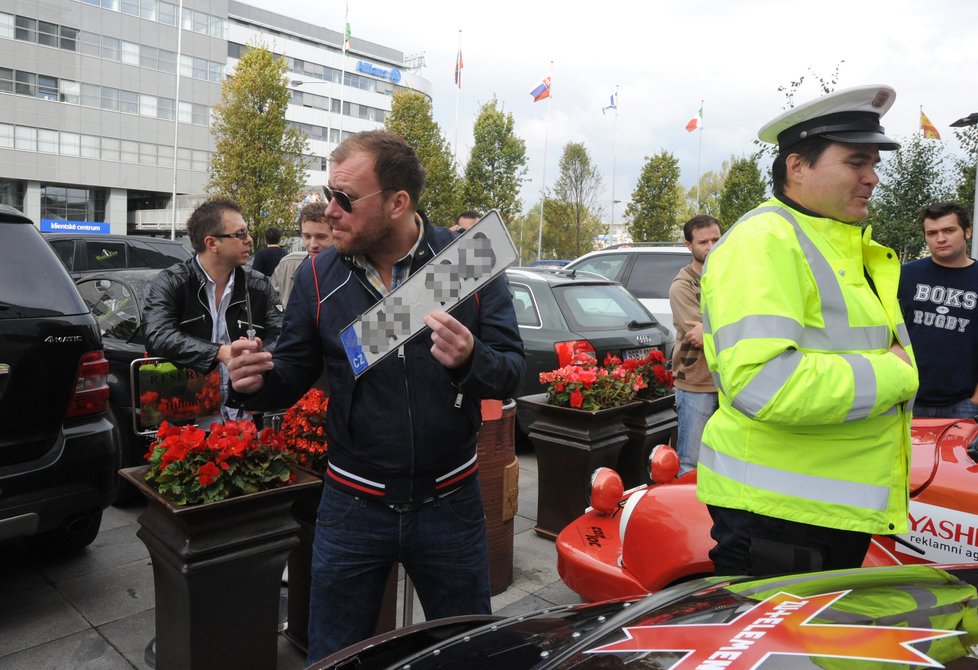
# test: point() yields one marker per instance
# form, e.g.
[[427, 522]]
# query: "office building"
[[106, 108]]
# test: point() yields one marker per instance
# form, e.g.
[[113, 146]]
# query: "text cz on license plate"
[[629, 354]]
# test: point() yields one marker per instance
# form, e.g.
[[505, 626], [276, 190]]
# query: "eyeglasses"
[[343, 200], [242, 235]]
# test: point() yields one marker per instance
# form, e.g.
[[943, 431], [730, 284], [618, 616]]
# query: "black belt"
[[415, 505]]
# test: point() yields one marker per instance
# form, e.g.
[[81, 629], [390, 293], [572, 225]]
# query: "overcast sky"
[[665, 57]]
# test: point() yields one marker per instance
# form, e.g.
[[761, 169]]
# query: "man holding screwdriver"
[[196, 308]]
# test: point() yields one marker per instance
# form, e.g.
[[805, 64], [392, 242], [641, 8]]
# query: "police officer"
[[809, 451]]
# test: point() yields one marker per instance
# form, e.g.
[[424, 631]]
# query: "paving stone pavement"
[[95, 610]]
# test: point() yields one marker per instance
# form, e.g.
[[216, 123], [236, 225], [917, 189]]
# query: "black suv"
[[59, 448], [83, 254]]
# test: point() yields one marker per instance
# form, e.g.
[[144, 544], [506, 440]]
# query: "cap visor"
[[883, 142]]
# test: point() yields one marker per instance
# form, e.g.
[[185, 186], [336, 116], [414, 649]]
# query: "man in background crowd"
[[269, 257], [939, 297], [696, 394], [316, 237]]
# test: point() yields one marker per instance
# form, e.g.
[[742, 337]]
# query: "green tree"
[[657, 201], [743, 190], [411, 118], [911, 177], [259, 159], [965, 166], [707, 192], [494, 173], [523, 229], [575, 218]]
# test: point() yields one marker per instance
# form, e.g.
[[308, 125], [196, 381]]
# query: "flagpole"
[[543, 181], [347, 36], [614, 162], [699, 161], [458, 93]]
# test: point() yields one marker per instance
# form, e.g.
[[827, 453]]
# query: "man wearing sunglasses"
[[196, 308], [401, 482]]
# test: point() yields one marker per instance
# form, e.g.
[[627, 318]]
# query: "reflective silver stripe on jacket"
[[836, 336], [795, 485]]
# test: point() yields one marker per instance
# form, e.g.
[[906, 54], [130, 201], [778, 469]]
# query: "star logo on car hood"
[[779, 625]]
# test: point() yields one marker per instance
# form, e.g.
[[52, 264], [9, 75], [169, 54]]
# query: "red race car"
[[645, 539]]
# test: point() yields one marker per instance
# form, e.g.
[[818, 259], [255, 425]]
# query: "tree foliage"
[[965, 167], [411, 118], [494, 172], [574, 220], [259, 159], [657, 201], [911, 177], [743, 190], [707, 192]]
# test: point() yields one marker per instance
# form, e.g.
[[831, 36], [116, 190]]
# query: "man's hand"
[[899, 351], [452, 343], [695, 334], [248, 365]]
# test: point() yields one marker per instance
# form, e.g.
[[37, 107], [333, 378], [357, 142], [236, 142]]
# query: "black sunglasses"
[[343, 200], [243, 235]]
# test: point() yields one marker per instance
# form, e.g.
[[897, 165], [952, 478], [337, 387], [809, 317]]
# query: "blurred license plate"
[[636, 353]]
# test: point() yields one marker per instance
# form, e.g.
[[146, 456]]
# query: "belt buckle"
[[410, 506]]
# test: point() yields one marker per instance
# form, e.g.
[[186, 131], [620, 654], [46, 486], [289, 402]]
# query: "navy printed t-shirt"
[[940, 308]]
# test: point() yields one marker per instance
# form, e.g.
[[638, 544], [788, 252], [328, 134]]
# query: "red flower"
[[576, 399], [208, 473]]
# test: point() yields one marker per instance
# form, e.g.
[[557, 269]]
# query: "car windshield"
[[592, 307]]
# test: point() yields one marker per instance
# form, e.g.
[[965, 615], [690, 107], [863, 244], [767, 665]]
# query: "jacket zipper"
[[407, 396]]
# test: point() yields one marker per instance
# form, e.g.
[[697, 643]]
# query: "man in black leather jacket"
[[401, 483], [196, 308]]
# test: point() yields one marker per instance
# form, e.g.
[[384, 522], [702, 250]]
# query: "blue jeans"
[[692, 410], [442, 546], [962, 409]]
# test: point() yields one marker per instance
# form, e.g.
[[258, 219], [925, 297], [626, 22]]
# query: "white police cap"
[[851, 116]]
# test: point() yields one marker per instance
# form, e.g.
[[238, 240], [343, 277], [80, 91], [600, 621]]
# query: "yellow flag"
[[927, 128]]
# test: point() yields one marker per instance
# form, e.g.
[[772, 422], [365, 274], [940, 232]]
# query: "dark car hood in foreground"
[[905, 616]]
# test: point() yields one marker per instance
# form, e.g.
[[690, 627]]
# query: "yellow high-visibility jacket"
[[813, 425]]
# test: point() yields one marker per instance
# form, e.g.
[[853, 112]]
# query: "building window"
[[201, 115], [70, 144], [215, 72], [12, 193], [6, 80], [90, 95], [199, 161], [110, 98], [26, 83], [111, 4], [164, 109], [70, 92], [183, 159], [110, 149], [6, 135], [129, 102], [110, 48], [185, 112], [147, 105], [164, 156], [69, 38], [89, 146], [147, 154], [25, 138], [168, 14], [72, 203], [90, 43], [47, 141], [130, 53], [147, 9], [130, 7], [47, 88], [129, 151], [25, 29], [6, 25], [149, 58], [167, 60], [47, 34]]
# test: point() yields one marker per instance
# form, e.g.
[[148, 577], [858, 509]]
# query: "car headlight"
[[604, 491]]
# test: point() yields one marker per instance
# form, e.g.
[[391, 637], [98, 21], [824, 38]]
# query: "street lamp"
[[971, 120], [329, 104]]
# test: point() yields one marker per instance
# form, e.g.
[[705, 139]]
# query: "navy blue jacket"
[[396, 432]]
